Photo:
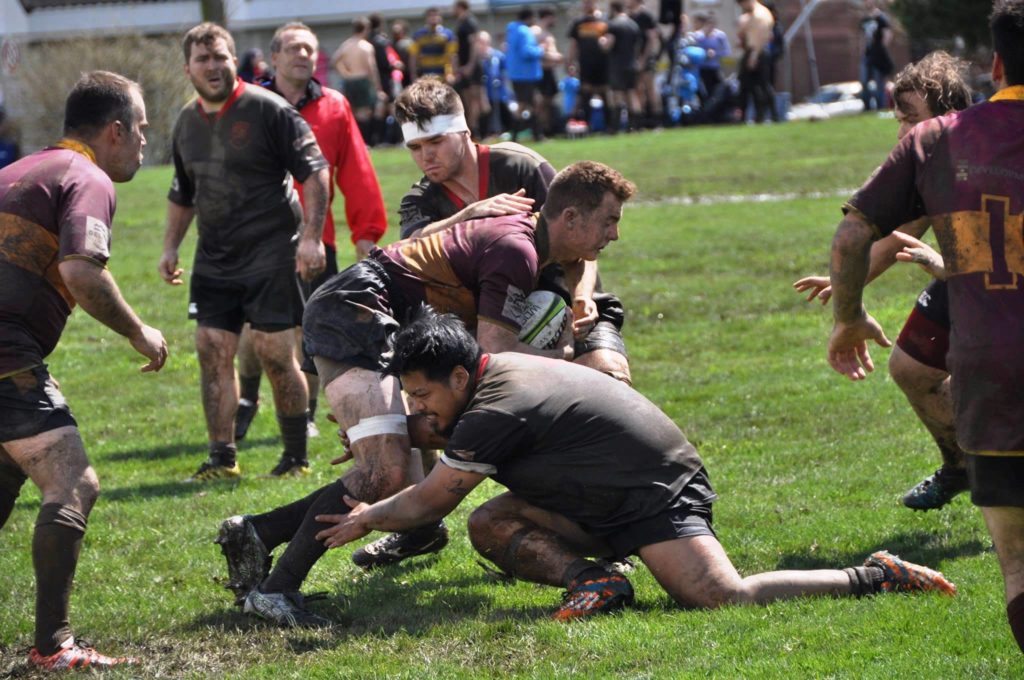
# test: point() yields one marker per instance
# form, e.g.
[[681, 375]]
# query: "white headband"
[[438, 125]]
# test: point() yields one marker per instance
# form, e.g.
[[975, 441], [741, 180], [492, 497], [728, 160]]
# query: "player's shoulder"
[[255, 94], [513, 152]]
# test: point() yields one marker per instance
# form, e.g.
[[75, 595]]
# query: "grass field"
[[809, 467]]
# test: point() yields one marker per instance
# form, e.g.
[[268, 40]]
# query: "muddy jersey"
[[55, 205], [502, 168], [965, 171], [235, 167], [481, 269], [534, 425]]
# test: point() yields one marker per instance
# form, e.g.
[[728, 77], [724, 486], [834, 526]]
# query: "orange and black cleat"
[[74, 655], [901, 576], [596, 596]]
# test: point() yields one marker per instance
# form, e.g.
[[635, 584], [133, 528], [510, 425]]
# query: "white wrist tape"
[[394, 423], [438, 125]]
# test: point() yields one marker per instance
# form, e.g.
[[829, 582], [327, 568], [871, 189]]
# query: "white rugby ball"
[[543, 319]]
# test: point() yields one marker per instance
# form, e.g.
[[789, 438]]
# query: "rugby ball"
[[543, 319]]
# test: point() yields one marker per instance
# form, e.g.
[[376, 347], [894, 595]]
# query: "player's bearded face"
[[440, 402], [212, 70]]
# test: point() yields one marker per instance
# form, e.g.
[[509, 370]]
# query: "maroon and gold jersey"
[[965, 171], [55, 205], [480, 269]]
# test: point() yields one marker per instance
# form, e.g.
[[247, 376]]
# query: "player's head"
[[432, 17], [616, 7], [360, 26], [526, 15], [933, 86], [434, 127], [1007, 24], [293, 51], [585, 200], [589, 6], [746, 5], [436, 358], [460, 8], [546, 15], [106, 110], [376, 22], [210, 61]]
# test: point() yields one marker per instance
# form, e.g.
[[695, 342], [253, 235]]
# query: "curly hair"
[[206, 34], [424, 99], [583, 185], [939, 78]]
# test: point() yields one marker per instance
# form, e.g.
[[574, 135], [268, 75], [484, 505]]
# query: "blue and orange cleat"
[[901, 576], [596, 596]]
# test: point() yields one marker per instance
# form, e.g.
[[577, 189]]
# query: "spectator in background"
[[715, 43], [468, 72], [755, 34], [548, 87], [624, 52], [9, 149], [588, 55], [433, 50], [523, 58], [876, 64], [386, 59], [496, 87], [650, 48], [402, 43], [253, 67], [356, 62]]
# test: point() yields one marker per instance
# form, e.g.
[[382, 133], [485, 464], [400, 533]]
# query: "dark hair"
[[462, 4], [424, 99], [275, 42], [583, 185], [98, 99], [1007, 24], [939, 79], [525, 14], [546, 11], [206, 33], [376, 21], [616, 7], [434, 344], [360, 25]]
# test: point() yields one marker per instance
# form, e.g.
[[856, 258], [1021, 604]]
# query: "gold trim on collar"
[[1009, 93], [80, 147]]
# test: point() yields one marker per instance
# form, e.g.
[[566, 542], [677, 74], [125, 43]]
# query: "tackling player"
[[932, 87], [56, 210]]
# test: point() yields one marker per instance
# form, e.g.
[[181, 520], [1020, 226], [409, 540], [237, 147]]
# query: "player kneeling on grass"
[[588, 476]]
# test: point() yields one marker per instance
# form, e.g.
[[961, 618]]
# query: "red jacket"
[[330, 115]]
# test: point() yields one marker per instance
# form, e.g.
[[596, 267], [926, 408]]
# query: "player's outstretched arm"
[[95, 290], [430, 500], [494, 206], [919, 252], [581, 279], [178, 219]]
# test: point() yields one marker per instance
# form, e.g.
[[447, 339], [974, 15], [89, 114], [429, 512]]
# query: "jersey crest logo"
[[239, 136], [515, 304], [97, 236]]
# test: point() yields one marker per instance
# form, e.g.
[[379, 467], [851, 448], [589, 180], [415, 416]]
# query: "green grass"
[[809, 467]]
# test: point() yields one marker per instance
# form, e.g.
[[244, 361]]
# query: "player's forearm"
[[883, 251], [581, 278], [179, 217], [405, 510], [95, 291], [851, 255], [440, 225], [314, 209]]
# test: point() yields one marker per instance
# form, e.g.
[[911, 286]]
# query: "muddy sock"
[[55, 547], [1015, 614], [223, 453], [312, 409], [864, 580], [280, 524], [293, 433], [304, 550], [582, 570], [249, 387]]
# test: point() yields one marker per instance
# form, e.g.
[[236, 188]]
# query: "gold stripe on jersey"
[[425, 257], [26, 245], [972, 239]]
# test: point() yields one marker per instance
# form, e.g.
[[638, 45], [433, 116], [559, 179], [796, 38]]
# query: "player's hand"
[[150, 343], [819, 286], [502, 204], [169, 269], [848, 346], [919, 252], [584, 316], [310, 258], [363, 248], [347, 527]]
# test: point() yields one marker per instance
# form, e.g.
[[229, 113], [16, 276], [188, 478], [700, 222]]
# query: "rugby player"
[[234, 148], [932, 87], [293, 50], [481, 270], [964, 172], [586, 477], [56, 211]]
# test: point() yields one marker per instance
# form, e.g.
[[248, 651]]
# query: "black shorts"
[[594, 75], [463, 83], [30, 403], [524, 91], [607, 332], [548, 83], [996, 481], [622, 80], [270, 301], [925, 335], [309, 287], [690, 516], [350, 320]]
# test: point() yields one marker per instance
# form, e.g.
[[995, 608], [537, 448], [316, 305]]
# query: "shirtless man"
[[754, 31], [356, 62]]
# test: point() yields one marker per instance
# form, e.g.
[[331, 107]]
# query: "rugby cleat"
[[399, 546], [287, 610], [289, 467], [75, 655], [936, 490], [248, 559], [901, 576], [595, 596], [244, 417], [211, 471]]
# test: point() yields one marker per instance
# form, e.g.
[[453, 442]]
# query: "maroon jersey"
[[481, 269], [55, 205], [965, 171]]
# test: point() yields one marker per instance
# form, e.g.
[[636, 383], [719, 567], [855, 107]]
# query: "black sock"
[[1015, 614], [583, 570], [280, 524], [312, 409], [249, 387], [11, 480], [364, 130], [864, 580], [293, 433], [55, 546], [223, 453], [304, 550]]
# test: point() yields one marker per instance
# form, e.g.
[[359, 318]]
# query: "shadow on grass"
[[180, 449], [161, 490], [921, 547]]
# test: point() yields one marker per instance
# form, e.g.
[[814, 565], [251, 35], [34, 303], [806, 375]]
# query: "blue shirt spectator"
[[524, 54]]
